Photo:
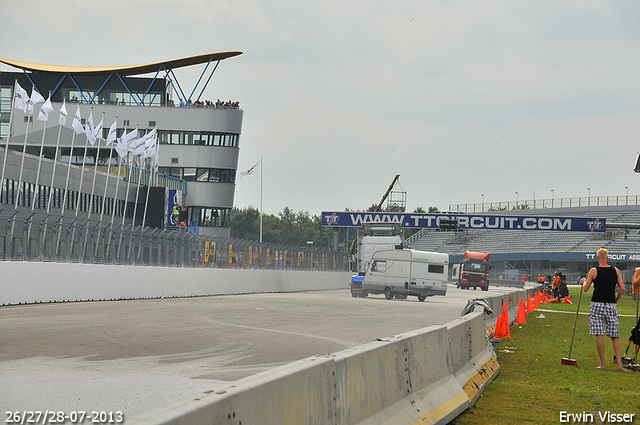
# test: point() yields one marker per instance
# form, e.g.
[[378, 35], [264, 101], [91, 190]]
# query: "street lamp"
[[516, 199], [482, 194], [589, 198], [627, 197], [553, 196]]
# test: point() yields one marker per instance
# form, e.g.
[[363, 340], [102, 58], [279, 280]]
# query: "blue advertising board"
[[466, 221], [174, 198]]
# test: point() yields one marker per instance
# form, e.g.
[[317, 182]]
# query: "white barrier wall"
[[27, 282]]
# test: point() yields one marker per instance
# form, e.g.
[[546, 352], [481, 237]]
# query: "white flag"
[[150, 139], [250, 172], [43, 115], [77, 122], [90, 130], [62, 120], [35, 98], [121, 147], [128, 137], [20, 98], [150, 146], [137, 146], [97, 133], [112, 133]]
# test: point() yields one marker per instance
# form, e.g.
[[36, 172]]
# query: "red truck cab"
[[475, 271]]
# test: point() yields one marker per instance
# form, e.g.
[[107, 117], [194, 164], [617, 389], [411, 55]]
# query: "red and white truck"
[[474, 271]]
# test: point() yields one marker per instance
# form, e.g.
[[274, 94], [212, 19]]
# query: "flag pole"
[[84, 160], [135, 204], [124, 213], [44, 132], [109, 140], [93, 183], [115, 195], [128, 184], [61, 118], [261, 209], [140, 164], [146, 202], [104, 197], [55, 156], [6, 148], [66, 188], [24, 151], [95, 169]]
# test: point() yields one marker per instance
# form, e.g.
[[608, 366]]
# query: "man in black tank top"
[[603, 314]]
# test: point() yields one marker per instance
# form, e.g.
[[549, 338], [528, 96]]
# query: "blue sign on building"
[[466, 221]]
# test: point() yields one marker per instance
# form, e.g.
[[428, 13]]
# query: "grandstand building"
[[518, 252], [198, 153]]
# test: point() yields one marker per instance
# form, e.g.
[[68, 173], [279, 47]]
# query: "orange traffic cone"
[[529, 304], [567, 300], [502, 325], [522, 317]]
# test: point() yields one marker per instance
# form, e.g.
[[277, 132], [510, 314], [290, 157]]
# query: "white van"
[[402, 272]]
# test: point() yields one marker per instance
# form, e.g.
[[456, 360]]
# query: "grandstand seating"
[[520, 241]]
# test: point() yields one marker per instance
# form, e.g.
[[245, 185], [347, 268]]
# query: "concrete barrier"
[[34, 282]]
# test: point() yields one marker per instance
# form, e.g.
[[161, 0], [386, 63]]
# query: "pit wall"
[[429, 376], [35, 282]]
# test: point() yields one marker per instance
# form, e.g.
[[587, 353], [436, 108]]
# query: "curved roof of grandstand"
[[523, 241], [124, 69]]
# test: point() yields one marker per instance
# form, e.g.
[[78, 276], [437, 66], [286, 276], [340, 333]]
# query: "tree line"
[[292, 228]]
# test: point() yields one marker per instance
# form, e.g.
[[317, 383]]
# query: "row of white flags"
[[145, 146]]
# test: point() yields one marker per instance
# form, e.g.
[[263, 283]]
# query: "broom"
[[568, 361]]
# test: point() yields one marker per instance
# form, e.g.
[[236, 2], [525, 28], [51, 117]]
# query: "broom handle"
[[575, 323]]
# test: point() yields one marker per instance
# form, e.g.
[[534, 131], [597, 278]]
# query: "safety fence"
[[579, 201], [30, 236]]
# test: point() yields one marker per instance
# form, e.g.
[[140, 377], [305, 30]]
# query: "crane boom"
[[386, 195]]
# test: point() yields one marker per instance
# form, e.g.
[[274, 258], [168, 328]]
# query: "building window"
[[210, 175], [210, 217], [200, 138]]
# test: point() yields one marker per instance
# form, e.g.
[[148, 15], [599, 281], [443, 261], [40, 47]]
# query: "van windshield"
[[475, 267]]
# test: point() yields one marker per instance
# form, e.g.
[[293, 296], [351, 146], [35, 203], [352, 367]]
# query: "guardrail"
[[430, 375], [584, 201], [37, 237]]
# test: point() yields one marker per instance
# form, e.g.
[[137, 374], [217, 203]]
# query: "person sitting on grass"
[[603, 314]]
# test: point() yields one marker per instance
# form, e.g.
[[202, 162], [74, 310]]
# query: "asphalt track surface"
[[136, 356]]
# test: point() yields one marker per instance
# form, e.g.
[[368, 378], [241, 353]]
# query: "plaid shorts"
[[604, 316]]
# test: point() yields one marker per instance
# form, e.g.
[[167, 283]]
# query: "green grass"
[[533, 387]]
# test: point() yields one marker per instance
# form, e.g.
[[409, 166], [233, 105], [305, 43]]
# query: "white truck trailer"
[[402, 272]]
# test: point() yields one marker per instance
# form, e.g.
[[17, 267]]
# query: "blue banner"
[[466, 221]]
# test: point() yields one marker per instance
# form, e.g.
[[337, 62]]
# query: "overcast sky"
[[459, 98]]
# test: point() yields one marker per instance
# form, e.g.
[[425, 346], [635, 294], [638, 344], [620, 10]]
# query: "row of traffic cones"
[[502, 325]]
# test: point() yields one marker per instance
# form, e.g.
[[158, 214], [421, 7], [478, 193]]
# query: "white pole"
[[261, 182], [84, 160], [44, 131], [95, 172], [146, 202], [106, 183], [24, 151], [140, 164], [128, 186], [6, 148], [55, 163], [124, 213]]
